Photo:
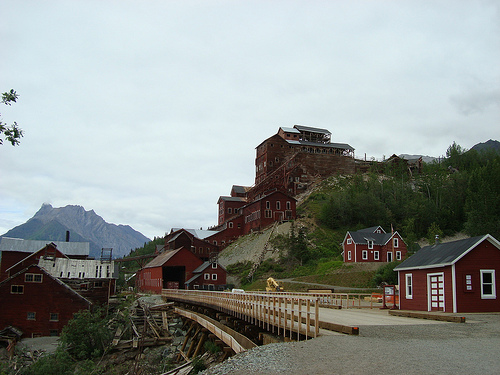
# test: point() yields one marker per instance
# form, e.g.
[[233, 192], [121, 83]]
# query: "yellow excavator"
[[273, 286]]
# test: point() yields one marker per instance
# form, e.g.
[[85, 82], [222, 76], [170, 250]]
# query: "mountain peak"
[[51, 224]]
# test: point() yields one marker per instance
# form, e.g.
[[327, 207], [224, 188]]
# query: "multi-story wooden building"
[[373, 245], [291, 159]]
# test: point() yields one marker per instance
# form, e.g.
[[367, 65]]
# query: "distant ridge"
[[488, 145], [51, 224]]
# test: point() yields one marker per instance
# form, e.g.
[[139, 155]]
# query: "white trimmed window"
[[348, 255], [278, 205], [488, 290], [395, 242], [370, 244], [376, 255], [54, 317], [364, 254], [409, 286], [31, 316], [214, 266], [17, 289], [230, 224], [214, 276], [349, 241], [33, 277], [398, 255], [206, 276]]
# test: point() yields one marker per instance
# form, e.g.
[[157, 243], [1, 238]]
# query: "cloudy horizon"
[[147, 112]]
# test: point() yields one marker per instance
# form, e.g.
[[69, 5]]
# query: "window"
[[376, 255], [348, 255], [349, 241], [268, 205], [98, 284], [389, 256], [488, 284], [31, 316], [214, 276], [33, 277], [206, 276], [370, 244], [398, 255], [268, 213], [278, 205], [395, 242], [214, 266], [229, 210], [230, 224], [17, 289], [54, 317], [288, 205], [409, 286], [364, 254]]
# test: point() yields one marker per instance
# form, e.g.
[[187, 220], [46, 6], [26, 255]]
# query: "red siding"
[[484, 257], [43, 298]]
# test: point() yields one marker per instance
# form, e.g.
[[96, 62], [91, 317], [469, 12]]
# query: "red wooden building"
[[458, 277], [37, 303], [373, 245], [198, 241], [180, 269], [208, 276]]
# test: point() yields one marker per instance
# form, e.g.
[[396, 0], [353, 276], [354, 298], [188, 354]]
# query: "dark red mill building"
[[458, 277]]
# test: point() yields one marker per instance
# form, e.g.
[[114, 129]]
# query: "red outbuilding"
[[458, 277], [208, 276], [373, 245]]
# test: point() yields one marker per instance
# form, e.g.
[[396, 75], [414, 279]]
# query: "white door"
[[435, 290]]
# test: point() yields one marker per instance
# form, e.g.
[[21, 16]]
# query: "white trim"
[[493, 294], [429, 299], [376, 255], [364, 254], [408, 276], [454, 288]]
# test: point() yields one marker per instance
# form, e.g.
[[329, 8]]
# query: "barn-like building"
[[458, 277]]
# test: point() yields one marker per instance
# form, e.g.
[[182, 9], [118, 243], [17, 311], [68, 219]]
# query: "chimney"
[[436, 242], [67, 236]]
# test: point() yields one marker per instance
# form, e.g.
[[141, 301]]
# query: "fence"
[[283, 314]]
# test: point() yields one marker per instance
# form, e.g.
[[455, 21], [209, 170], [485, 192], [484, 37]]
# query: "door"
[[389, 256], [435, 290]]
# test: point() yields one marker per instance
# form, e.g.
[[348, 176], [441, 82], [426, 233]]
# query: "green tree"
[[11, 133], [86, 336]]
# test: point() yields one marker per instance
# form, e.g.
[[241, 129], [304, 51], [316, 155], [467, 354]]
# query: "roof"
[[198, 233], [240, 189], [371, 229], [64, 285], [31, 246], [163, 258], [232, 199], [443, 254], [290, 130], [377, 238], [343, 146], [193, 278], [310, 129], [205, 264]]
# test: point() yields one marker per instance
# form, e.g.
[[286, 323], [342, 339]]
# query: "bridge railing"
[[339, 300], [285, 314]]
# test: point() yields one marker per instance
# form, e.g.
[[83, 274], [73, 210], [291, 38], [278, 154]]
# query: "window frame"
[[54, 317], [30, 315], [206, 276], [492, 284], [19, 289], [214, 277], [364, 254], [398, 255], [376, 255], [370, 244], [409, 286]]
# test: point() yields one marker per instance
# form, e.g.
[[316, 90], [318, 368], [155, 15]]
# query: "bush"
[[86, 336], [386, 274]]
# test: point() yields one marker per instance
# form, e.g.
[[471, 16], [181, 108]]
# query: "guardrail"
[[282, 314], [336, 300]]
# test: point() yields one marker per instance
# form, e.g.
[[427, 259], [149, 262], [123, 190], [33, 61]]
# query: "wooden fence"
[[283, 314]]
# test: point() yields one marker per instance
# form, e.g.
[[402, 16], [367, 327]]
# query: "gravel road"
[[447, 348]]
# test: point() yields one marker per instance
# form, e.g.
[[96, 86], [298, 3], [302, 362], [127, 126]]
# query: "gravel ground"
[[448, 348]]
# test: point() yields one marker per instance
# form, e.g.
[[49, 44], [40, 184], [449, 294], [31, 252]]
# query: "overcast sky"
[[148, 111]]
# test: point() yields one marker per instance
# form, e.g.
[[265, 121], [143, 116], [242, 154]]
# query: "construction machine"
[[273, 286]]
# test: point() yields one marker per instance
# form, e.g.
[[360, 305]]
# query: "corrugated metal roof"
[[31, 246], [443, 254], [232, 199], [290, 130], [161, 259], [198, 233], [312, 130], [342, 146]]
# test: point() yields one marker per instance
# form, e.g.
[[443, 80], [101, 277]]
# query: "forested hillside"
[[461, 193]]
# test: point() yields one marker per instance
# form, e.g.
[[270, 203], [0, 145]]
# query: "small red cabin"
[[458, 277]]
